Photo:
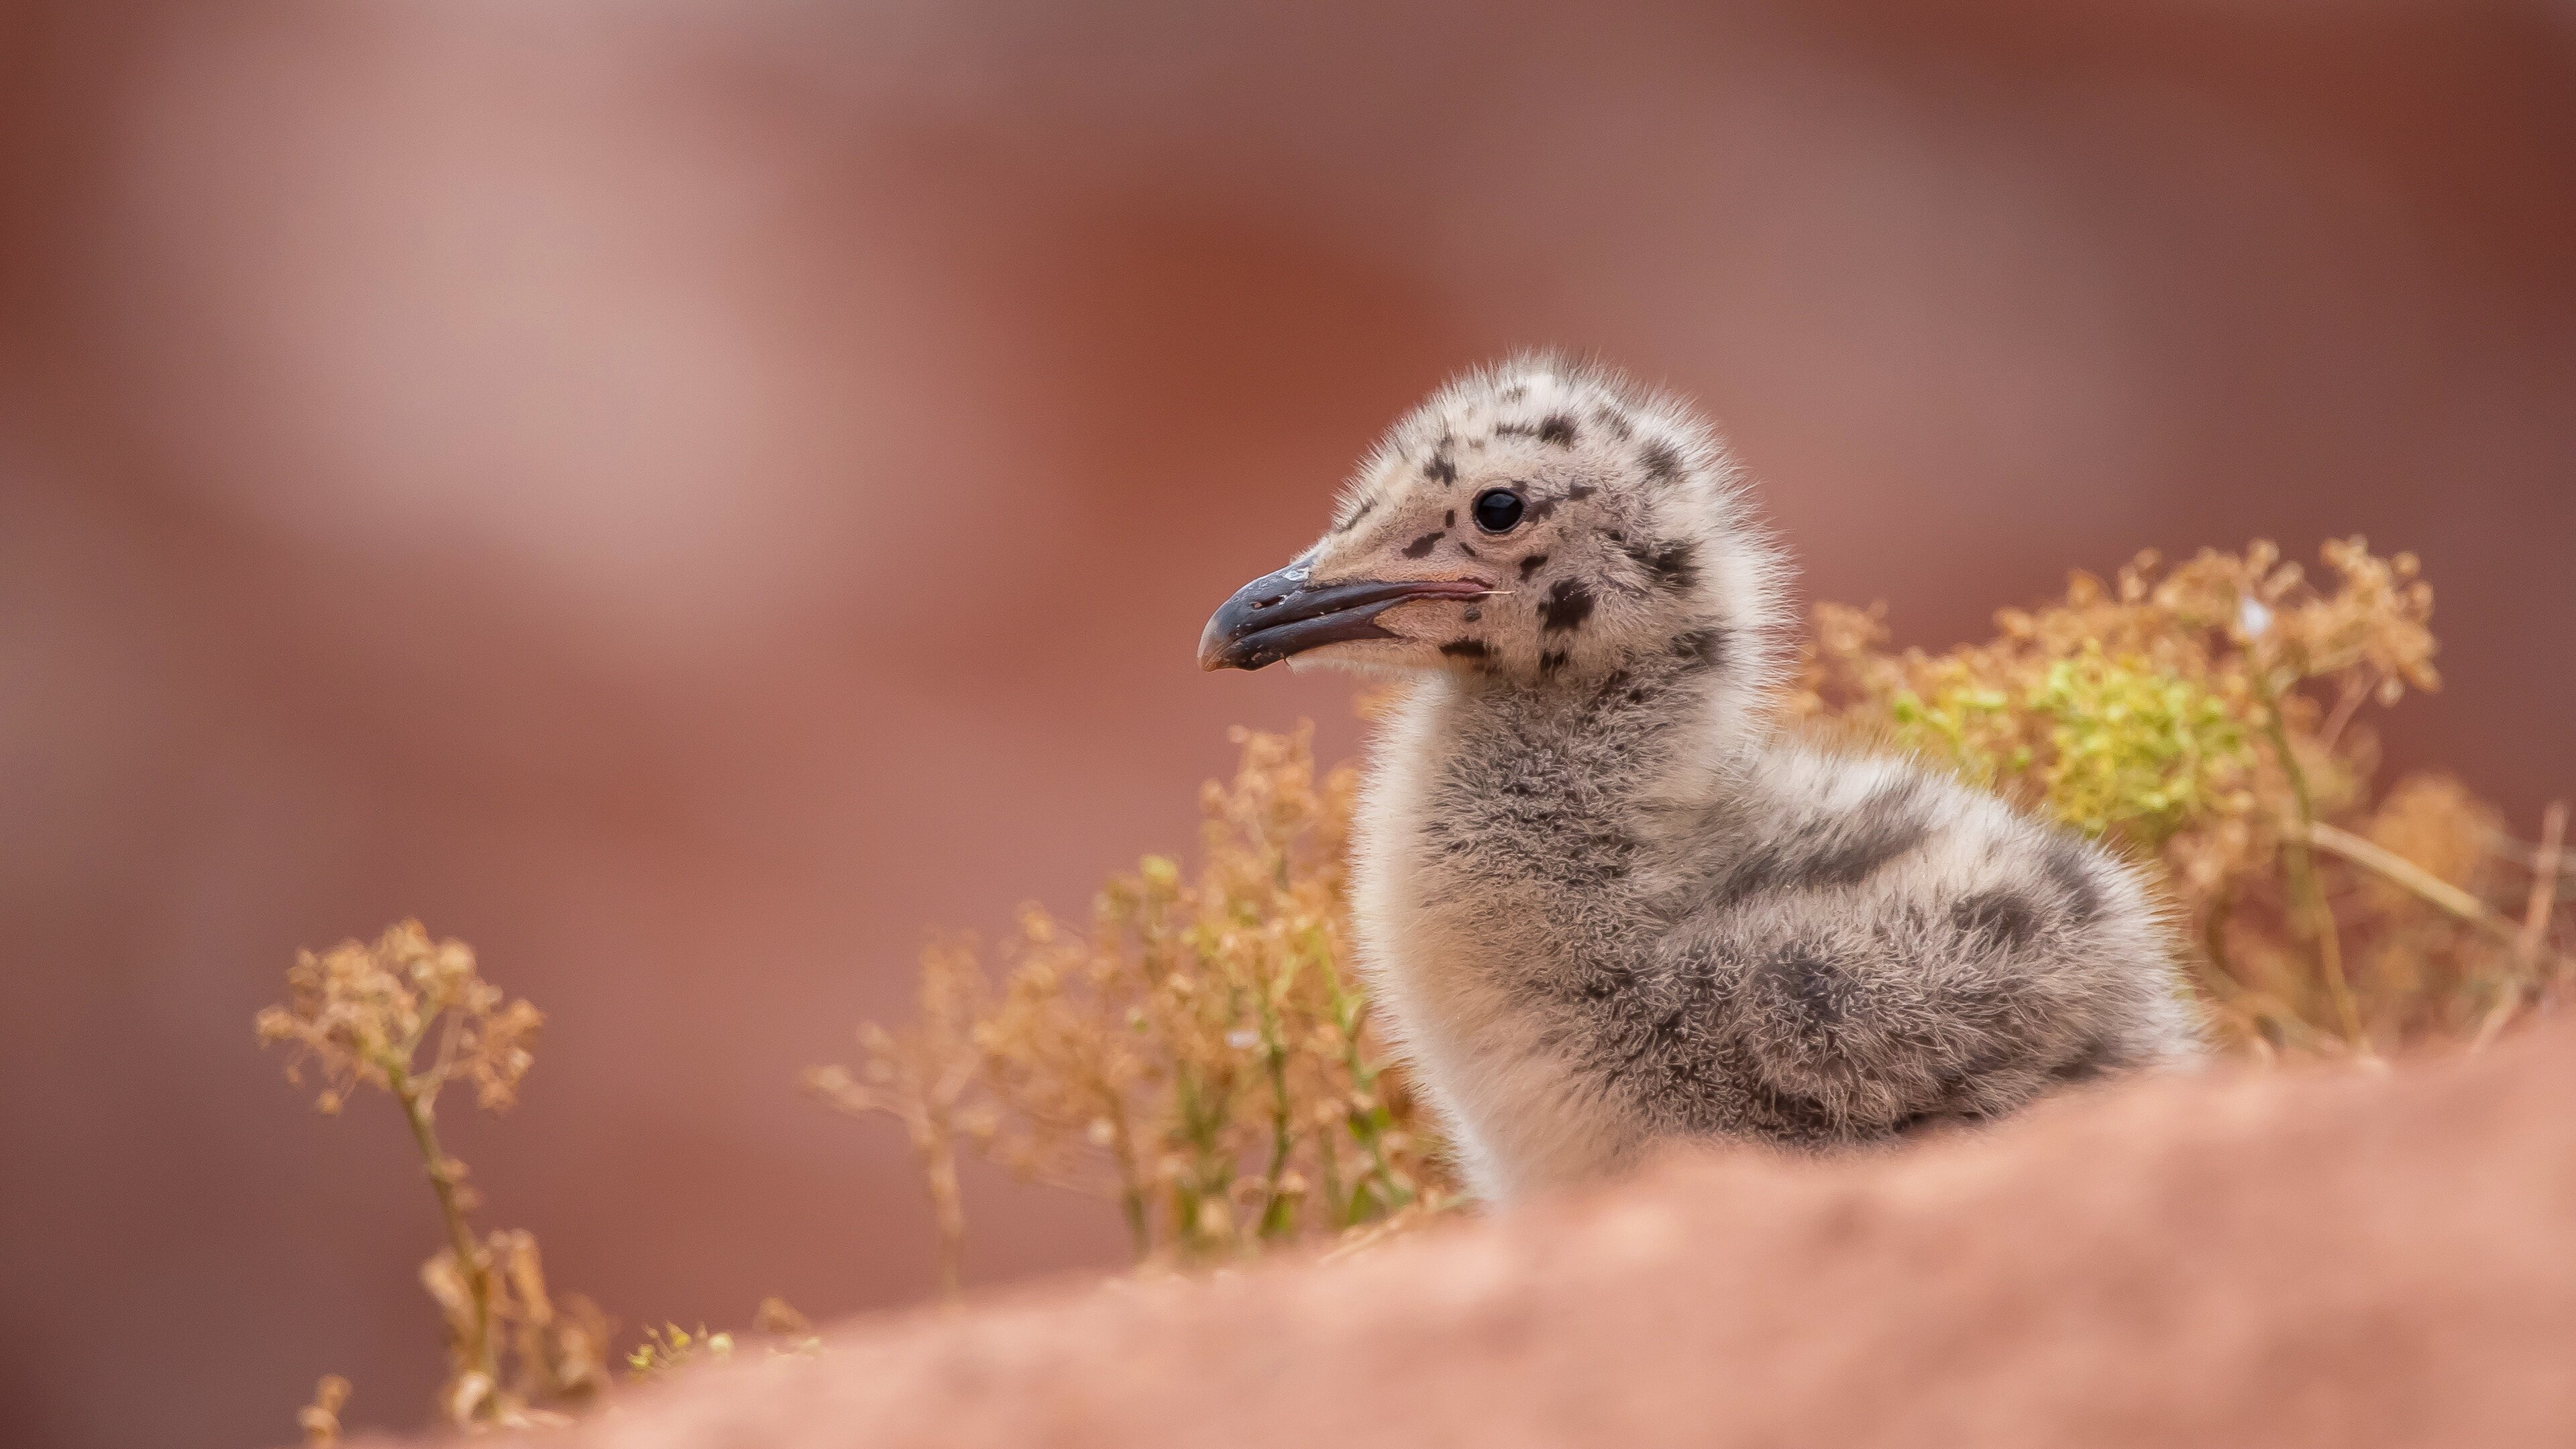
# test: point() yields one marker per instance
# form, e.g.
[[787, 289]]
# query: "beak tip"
[[1213, 646], [1226, 657]]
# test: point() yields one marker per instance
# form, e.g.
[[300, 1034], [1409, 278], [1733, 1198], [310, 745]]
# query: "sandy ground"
[[2300, 1257]]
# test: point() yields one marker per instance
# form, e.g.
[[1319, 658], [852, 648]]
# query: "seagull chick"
[[1604, 901]]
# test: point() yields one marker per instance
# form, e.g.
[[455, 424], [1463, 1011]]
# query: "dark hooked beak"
[[1281, 614]]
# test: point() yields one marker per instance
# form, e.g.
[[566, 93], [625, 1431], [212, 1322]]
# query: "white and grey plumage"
[[1602, 899]]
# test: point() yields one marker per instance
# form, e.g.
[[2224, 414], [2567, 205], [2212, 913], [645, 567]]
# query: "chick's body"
[[1602, 899]]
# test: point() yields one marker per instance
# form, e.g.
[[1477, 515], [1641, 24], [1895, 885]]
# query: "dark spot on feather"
[[1540, 510], [1449, 519], [1532, 565], [1622, 686], [1473, 613], [1422, 545], [1551, 661], [1791, 1117], [1440, 470], [1885, 826], [1567, 605], [1814, 991], [1661, 461], [1466, 649], [1469, 552], [1558, 429], [1939, 1122], [1838, 853], [1613, 422], [1516, 392], [2000, 917], [1515, 430], [1673, 565], [1700, 648], [2097, 1059], [1685, 1071], [1872, 844], [2067, 865], [1354, 520]]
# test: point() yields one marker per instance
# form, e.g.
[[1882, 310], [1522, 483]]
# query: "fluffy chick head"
[[1537, 522]]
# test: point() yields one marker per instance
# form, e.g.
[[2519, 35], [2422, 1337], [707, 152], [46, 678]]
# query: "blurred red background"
[[686, 497]]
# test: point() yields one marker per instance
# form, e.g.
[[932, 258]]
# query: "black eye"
[[1498, 510]]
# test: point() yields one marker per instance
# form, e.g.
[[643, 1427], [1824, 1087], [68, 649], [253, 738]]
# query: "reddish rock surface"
[[2287, 1258]]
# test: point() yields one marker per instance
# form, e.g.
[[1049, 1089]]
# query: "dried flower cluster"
[[361, 1013], [2205, 717], [408, 1015], [1197, 1053]]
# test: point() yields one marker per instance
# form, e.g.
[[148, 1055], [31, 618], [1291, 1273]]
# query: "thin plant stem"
[[2544, 891], [926, 1109], [2303, 875], [483, 1353], [2213, 934], [1131, 1176], [2399, 870], [2356, 688], [1328, 1170], [2528, 856], [2529, 942], [1366, 1125], [947, 1204], [1276, 1216]]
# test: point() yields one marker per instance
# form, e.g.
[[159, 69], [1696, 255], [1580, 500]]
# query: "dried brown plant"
[[408, 1015], [1197, 1053], [921, 1077], [2207, 717]]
